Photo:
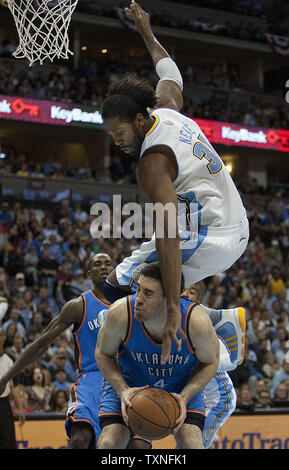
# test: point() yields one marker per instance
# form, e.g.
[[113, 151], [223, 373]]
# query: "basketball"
[[153, 413]]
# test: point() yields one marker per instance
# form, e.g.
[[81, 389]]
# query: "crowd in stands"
[[254, 113], [244, 30], [88, 85], [241, 7], [44, 260], [21, 164], [117, 169]]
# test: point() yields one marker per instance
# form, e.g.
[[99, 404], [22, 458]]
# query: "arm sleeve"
[[167, 69]]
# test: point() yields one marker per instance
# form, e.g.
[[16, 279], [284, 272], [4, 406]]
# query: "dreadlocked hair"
[[127, 97]]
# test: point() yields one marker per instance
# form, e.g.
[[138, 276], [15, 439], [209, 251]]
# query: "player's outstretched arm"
[[110, 337], [71, 312], [170, 85]]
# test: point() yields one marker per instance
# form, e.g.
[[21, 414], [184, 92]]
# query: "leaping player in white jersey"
[[176, 165]]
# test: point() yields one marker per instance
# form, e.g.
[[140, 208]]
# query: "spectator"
[[80, 283], [43, 296], [64, 274], [63, 211], [5, 214], [61, 361], [17, 347], [262, 384], [54, 248], [270, 365], [46, 311], [20, 285], [255, 326], [281, 396], [62, 344], [14, 317], [245, 400], [263, 399], [31, 243], [79, 214], [283, 352], [37, 172], [26, 314], [36, 326], [38, 394], [10, 332], [49, 229], [60, 381], [276, 282], [47, 270], [23, 171], [281, 335], [29, 305], [31, 260], [59, 401], [280, 375]]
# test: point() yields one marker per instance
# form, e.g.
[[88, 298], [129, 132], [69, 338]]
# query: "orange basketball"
[[153, 413]]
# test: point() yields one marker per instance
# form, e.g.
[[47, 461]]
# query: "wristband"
[[167, 69]]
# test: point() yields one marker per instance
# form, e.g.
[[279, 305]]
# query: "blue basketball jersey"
[[85, 334], [139, 356]]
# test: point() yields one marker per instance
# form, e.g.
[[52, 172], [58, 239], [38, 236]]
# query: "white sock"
[[225, 363], [213, 314]]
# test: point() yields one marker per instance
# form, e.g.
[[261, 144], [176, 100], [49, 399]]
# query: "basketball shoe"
[[230, 327]]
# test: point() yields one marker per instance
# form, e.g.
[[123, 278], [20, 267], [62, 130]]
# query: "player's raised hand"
[[140, 17]]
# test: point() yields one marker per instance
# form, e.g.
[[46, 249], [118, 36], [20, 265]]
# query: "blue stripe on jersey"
[[139, 357], [85, 336], [189, 221]]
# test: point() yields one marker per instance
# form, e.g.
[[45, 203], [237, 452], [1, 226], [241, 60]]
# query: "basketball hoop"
[[42, 27]]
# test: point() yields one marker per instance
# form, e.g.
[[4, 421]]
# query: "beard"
[[137, 142]]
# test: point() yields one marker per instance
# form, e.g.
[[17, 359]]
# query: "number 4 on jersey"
[[160, 383]]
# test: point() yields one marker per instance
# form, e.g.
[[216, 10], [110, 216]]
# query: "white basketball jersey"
[[203, 184]]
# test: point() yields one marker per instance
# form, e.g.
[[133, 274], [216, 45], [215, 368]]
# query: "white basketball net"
[[42, 27]]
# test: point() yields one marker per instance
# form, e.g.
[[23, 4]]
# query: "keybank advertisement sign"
[[65, 114], [49, 112], [245, 136]]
